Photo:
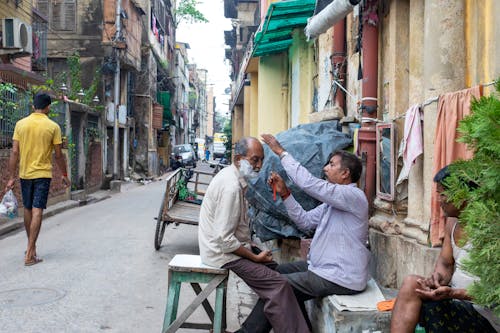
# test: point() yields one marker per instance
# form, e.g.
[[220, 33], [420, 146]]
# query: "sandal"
[[33, 261]]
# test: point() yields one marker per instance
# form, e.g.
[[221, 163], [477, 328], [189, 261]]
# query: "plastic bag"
[[8, 206]]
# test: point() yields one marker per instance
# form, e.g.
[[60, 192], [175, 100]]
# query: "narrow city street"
[[100, 270]]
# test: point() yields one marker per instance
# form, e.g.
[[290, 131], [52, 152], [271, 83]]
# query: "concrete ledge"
[[115, 186], [390, 255], [79, 195], [329, 113], [326, 318]]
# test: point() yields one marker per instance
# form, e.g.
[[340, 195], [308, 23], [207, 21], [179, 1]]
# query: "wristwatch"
[[283, 154]]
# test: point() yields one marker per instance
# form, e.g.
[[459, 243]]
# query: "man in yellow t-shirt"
[[35, 137]]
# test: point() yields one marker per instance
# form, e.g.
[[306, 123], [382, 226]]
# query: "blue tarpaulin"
[[309, 144]]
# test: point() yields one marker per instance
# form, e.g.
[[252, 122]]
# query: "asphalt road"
[[100, 271]]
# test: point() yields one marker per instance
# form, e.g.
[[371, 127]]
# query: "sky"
[[207, 48]]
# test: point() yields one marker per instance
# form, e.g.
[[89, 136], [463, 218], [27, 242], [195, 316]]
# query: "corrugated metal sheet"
[[281, 18]]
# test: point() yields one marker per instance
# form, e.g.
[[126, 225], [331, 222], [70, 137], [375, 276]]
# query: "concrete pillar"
[[273, 95], [444, 71], [254, 104], [247, 99], [414, 224], [125, 151], [237, 123]]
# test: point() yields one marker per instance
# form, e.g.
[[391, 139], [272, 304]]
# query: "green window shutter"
[[164, 99]]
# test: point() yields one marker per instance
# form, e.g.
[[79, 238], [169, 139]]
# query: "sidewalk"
[[9, 225]]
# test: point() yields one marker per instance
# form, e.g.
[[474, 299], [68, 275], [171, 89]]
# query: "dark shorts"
[[450, 316], [35, 192]]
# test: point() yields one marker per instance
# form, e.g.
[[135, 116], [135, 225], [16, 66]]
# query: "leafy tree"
[[481, 217], [229, 138], [187, 12]]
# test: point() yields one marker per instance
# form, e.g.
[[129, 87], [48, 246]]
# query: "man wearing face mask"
[[337, 262], [224, 239]]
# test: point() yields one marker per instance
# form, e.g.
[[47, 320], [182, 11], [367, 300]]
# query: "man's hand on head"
[[274, 144]]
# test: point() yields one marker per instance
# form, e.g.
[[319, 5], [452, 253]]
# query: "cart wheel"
[[160, 228]]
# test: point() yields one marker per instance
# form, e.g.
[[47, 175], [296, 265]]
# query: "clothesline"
[[374, 120], [433, 100]]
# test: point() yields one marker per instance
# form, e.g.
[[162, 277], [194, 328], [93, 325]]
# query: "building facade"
[[366, 65]]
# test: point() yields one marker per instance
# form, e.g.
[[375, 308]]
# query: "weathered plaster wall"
[[482, 38], [86, 40], [324, 84], [444, 71], [391, 258], [273, 94], [301, 79]]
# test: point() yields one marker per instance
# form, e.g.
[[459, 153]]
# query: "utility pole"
[[117, 90]]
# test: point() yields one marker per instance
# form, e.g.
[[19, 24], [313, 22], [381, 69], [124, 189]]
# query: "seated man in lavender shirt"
[[338, 258]]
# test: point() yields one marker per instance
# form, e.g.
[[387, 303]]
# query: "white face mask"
[[247, 171]]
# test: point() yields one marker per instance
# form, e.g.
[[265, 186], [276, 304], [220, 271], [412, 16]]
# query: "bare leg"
[[27, 221], [407, 308], [36, 223]]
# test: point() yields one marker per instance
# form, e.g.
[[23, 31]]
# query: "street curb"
[[7, 226]]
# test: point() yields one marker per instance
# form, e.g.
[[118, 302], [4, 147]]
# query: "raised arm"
[[342, 197], [305, 220]]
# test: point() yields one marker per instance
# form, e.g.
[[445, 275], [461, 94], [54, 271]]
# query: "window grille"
[[39, 57], [14, 105]]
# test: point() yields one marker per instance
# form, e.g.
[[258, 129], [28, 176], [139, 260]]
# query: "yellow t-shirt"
[[37, 135]]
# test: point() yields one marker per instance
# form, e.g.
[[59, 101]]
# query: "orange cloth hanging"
[[452, 107]]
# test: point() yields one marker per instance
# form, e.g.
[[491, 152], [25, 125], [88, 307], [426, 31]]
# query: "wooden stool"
[[188, 268]]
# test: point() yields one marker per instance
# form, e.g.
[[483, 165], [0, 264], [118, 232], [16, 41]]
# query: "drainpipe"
[[367, 138], [338, 60]]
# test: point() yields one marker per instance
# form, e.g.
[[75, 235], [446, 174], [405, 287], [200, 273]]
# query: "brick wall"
[[57, 190], [94, 174]]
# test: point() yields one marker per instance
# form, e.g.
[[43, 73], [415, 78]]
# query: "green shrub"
[[481, 217]]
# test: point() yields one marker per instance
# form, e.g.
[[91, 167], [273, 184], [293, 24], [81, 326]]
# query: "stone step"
[[327, 318]]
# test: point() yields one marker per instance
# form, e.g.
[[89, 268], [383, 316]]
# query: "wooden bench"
[[184, 268], [173, 210]]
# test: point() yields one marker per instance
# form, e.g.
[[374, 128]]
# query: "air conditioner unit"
[[16, 36]]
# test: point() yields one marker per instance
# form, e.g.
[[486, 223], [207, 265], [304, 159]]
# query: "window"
[[386, 161], [61, 14]]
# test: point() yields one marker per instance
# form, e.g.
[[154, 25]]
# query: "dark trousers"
[[306, 285], [279, 306]]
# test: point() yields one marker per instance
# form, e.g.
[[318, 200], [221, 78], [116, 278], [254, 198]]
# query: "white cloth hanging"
[[412, 143]]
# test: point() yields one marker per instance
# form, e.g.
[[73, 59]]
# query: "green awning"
[[281, 18], [163, 98]]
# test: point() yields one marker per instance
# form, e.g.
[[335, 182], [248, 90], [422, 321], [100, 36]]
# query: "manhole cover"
[[28, 297]]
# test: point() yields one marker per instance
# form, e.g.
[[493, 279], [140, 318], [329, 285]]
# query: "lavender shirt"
[[338, 250]]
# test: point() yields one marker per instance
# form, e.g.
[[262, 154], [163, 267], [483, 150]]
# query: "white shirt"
[[223, 226]]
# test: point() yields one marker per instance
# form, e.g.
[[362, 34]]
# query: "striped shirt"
[[338, 250]]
